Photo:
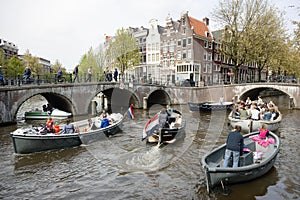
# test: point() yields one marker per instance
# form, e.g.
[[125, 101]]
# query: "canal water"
[[124, 167]]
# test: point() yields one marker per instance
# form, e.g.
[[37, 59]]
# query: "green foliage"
[[33, 63], [123, 51], [91, 59], [14, 67], [253, 33]]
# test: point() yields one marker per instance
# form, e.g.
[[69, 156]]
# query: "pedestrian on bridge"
[[89, 74], [75, 72]]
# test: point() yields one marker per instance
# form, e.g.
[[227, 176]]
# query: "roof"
[[200, 27]]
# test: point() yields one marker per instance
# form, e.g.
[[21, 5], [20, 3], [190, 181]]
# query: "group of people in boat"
[[104, 120], [255, 110], [235, 144]]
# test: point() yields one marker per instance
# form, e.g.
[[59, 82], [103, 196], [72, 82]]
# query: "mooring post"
[[145, 103], [291, 103]]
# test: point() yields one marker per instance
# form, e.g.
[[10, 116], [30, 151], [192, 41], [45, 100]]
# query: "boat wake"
[[151, 160]]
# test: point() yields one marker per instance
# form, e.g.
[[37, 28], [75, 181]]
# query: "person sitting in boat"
[[248, 101], [243, 113], [68, 128], [169, 110], [163, 119], [259, 100], [254, 113], [104, 122], [49, 125], [267, 114], [56, 128], [104, 113], [234, 146], [263, 132], [275, 113], [235, 112]]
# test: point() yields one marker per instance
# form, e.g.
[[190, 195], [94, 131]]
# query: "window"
[[204, 69], [183, 22], [184, 55], [209, 45], [189, 54], [184, 31], [183, 42], [179, 42], [172, 46], [153, 47], [157, 57], [189, 40], [209, 57], [178, 55], [149, 57], [208, 65], [205, 44], [153, 57], [205, 56], [149, 47]]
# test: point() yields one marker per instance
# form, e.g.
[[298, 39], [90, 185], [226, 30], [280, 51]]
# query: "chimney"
[[206, 21]]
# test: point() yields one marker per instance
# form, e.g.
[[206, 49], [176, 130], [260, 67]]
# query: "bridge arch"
[[119, 99], [158, 96], [254, 92], [54, 99]]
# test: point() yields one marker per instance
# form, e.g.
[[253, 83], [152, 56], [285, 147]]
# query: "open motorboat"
[[249, 125], [209, 106], [255, 162], [154, 134], [35, 139], [40, 114]]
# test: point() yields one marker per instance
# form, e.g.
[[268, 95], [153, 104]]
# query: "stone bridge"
[[78, 98]]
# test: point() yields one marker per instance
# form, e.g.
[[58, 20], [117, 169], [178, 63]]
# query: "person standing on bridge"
[[89, 74], [75, 72]]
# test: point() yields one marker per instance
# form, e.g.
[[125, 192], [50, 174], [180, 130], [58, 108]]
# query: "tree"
[[253, 32], [90, 59], [123, 52], [14, 67], [32, 62]]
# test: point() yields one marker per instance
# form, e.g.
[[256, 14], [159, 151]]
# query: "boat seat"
[[246, 159]]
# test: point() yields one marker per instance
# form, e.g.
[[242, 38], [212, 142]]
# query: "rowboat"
[[35, 139], [253, 164], [209, 106], [39, 114], [249, 125], [152, 133]]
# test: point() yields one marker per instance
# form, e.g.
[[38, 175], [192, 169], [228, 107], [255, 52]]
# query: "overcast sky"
[[64, 30]]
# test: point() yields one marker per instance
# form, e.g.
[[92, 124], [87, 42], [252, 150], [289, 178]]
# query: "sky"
[[65, 30]]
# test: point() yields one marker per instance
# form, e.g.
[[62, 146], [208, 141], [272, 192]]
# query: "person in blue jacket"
[[234, 146], [104, 122]]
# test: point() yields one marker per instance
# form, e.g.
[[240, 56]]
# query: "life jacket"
[[49, 124], [56, 128]]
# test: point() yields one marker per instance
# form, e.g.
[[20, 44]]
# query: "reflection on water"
[[124, 167]]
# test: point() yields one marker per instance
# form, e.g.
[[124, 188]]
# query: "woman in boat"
[[235, 112], [263, 132], [49, 125], [234, 146]]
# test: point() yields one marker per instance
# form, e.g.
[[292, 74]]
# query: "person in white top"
[[254, 113]]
